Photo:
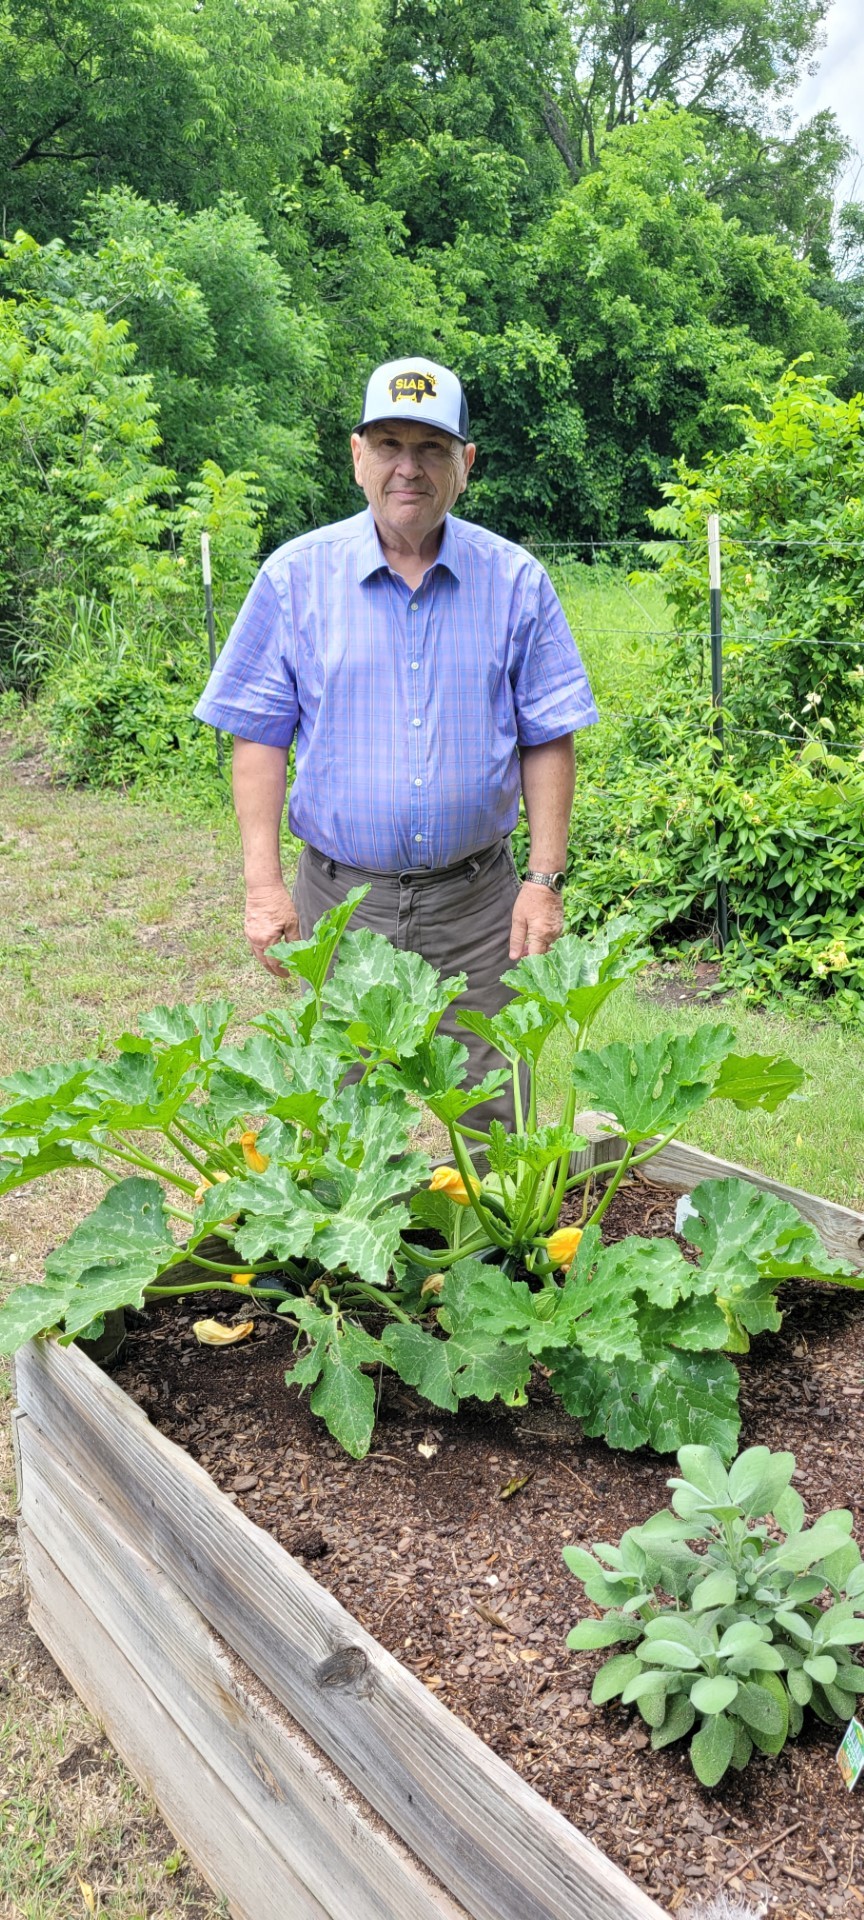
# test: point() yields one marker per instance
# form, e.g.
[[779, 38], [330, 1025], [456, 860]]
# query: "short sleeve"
[[550, 686], [252, 690]]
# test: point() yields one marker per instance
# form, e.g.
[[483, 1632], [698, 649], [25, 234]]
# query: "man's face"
[[410, 473]]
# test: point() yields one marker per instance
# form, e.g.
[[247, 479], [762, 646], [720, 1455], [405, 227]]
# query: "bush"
[[747, 1610], [791, 501], [790, 846], [118, 704]]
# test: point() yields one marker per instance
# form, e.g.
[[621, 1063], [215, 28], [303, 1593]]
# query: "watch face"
[[558, 880]]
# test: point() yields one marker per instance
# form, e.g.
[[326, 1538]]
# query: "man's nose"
[[408, 461]]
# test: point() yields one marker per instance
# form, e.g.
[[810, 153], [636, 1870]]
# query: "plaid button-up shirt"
[[407, 707]]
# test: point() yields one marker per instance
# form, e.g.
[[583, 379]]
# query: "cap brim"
[[386, 419]]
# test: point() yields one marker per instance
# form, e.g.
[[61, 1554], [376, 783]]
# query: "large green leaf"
[[571, 981], [128, 1226], [757, 1080], [202, 1024], [107, 1262], [520, 1031], [367, 961], [733, 1217], [435, 1072], [30, 1310], [42, 1092], [360, 1245], [342, 1395], [424, 1362], [652, 1086], [311, 959], [660, 1403], [28, 1161], [100, 1291]]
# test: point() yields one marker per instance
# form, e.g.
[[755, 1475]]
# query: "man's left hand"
[[538, 919]]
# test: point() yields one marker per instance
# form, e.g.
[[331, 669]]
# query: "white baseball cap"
[[416, 389]]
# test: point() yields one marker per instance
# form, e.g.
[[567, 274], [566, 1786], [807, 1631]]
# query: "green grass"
[[619, 630], [815, 1140]]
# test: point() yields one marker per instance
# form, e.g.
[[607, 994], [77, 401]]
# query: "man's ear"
[[356, 452], [468, 455]]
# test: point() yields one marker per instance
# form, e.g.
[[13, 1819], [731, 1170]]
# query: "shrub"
[[791, 500], [790, 846], [749, 1642]]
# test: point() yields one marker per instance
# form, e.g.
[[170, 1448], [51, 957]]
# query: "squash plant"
[[259, 1163]]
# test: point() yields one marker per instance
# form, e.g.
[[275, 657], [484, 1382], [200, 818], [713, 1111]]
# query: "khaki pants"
[[457, 918]]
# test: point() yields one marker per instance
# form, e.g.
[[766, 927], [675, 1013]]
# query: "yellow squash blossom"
[[447, 1180], [561, 1245], [255, 1161], [206, 1184], [242, 1279]]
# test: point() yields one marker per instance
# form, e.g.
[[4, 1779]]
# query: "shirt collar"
[[370, 555]]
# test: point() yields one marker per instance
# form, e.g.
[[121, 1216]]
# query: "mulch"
[[446, 1544]]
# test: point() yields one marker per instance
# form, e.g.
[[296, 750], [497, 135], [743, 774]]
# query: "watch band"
[[553, 880]]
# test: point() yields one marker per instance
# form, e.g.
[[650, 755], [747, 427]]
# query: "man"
[[426, 671]]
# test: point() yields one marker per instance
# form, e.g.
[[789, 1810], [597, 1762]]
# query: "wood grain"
[[225, 1846], [327, 1839], [494, 1843]]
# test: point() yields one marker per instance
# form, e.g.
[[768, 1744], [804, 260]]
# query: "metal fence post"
[[716, 613], [211, 625]]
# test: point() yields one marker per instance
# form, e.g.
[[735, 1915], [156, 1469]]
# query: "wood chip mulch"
[[446, 1544]]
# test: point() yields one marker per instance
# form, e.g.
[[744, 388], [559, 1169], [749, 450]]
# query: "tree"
[[667, 313], [175, 101], [727, 58]]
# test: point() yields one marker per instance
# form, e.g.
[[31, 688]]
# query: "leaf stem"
[[463, 1162], [137, 1159], [381, 1300], [613, 1186], [216, 1286]]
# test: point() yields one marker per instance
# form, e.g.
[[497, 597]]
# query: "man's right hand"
[[270, 917]]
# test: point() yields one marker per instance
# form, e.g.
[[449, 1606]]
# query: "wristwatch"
[[553, 880]]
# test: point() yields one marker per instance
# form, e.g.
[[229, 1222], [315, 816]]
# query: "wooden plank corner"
[[498, 1848]]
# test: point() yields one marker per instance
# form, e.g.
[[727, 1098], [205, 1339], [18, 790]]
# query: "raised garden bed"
[[193, 1634]]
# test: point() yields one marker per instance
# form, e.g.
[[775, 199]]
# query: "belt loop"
[[473, 867], [330, 868]]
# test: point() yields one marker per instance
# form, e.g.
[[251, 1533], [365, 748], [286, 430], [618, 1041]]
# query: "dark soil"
[[446, 1544]]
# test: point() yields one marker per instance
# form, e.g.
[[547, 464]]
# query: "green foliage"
[[764, 1615], [639, 272], [790, 499], [324, 1203], [236, 360], [643, 840]]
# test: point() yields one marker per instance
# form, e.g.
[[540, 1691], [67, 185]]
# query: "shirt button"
[[413, 607], [415, 723], [418, 836], [418, 782], [415, 666]]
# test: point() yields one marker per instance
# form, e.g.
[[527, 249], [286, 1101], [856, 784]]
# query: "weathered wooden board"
[[348, 1862], [840, 1228], [499, 1848], [228, 1849]]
